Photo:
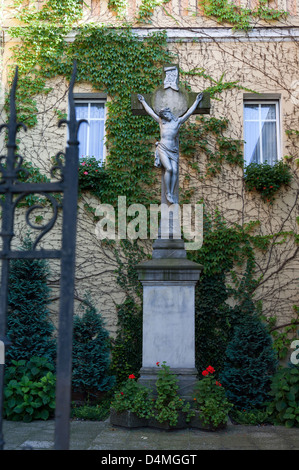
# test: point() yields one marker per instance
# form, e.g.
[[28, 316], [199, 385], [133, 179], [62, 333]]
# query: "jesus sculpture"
[[167, 150]]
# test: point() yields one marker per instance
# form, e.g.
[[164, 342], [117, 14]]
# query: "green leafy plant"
[[29, 392], [210, 399], [267, 179], [134, 397], [98, 412], [253, 417], [168, 404], [91, 175], [284, 393]]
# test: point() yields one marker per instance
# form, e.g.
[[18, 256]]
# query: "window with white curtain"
[[91, 136], [261, 131]]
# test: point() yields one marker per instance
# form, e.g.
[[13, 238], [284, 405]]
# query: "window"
[[261, 131], [92, 135]]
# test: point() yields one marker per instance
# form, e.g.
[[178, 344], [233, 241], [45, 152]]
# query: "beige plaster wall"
[[262, 66]]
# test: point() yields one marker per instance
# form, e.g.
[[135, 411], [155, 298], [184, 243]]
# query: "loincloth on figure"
[[172, 154]]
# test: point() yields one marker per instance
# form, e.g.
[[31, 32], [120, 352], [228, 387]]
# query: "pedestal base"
[[169, 315]]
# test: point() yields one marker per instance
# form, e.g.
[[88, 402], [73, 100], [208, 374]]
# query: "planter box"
[[196, 422], [127, 419]]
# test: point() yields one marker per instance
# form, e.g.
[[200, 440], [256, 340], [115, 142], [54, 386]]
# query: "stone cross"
[[170, 104]]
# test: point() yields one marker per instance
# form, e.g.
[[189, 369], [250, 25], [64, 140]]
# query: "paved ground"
[[92, 435]]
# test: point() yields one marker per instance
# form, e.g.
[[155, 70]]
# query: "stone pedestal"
[[169, 313]]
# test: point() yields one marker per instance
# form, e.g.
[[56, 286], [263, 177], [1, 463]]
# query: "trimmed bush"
[[250, 364], [29, 328], [91, 353]]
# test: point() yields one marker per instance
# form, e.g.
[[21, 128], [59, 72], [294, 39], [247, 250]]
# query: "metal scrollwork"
[[12, 191]]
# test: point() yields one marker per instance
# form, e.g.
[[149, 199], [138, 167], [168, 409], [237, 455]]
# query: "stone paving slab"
[[94, 435]]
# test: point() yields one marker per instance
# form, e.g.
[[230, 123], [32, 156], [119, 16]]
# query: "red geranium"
[[210, 369], [205, 372], [132, 376]]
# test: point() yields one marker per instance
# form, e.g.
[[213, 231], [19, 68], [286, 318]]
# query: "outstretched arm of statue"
[[147, 108], [192, 108]]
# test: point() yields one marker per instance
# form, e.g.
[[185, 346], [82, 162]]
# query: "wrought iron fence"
[[12, 191]]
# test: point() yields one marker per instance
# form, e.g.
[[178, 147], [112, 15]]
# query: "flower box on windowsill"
[[196, 422], [127, 419]]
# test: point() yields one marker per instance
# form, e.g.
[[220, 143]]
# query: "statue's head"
[[166, 113]]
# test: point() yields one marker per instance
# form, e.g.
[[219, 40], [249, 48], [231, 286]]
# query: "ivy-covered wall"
[[250, 243]]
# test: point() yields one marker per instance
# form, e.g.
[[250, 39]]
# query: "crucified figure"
[[167, 150]]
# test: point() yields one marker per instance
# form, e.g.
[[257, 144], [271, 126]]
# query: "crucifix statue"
[[170, 105], [167, 150]]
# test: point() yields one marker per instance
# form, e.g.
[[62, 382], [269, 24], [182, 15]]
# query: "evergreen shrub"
[[91, 353], [29, 327], [249, 365]]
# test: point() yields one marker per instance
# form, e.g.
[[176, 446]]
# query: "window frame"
[[93, 98], [264, 99]]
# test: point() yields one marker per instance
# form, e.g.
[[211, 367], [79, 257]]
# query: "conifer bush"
[[250, 364], [29, 327], [91, 353]]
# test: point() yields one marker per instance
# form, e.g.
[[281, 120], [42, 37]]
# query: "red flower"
[[205, 372], [157, 363], [121, 393], [218, 383], [210, 369], [132, 376], [270, 187]]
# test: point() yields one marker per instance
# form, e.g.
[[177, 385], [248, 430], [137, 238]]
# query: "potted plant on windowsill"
[[169, 410], [211, 406], [131, 405]]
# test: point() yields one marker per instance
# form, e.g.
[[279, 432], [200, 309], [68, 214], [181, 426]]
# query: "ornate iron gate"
[[13, 192]]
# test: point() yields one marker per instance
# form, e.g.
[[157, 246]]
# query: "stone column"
[[169, 314]]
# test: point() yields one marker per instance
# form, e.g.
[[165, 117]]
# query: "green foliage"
[[284, 405], [252, 417], [132, 396], [250, 363], [127, 347], [267, 179], [91, 353], [98, 412], [283, 335], [241, 18], [210, 399], [29, 327], [92, 175], [168, 403], [29, 392], [223, 248], [196, 137]]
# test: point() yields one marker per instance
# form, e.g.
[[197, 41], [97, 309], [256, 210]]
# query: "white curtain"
[[260, 133], [91, 136]]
